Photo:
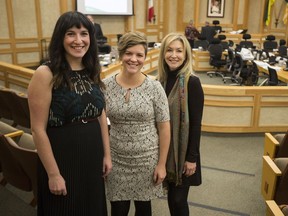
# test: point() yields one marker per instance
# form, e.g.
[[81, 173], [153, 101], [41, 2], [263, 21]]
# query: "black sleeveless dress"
[[75, 136]]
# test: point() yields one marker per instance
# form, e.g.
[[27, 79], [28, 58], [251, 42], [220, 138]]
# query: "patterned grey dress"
[[134, 139]]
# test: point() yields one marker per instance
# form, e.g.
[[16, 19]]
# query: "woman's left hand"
[[189, 168]]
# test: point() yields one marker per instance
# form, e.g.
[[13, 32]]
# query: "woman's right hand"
[[57, 185]]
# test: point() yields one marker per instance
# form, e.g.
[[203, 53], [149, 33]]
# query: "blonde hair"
[[186, 68], [131, 39]]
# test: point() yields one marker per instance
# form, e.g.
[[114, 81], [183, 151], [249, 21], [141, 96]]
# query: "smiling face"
[[175, 55], [76, 42], [133, 59]]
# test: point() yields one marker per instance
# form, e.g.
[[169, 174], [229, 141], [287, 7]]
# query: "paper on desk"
[[237, 32], [265, 65]]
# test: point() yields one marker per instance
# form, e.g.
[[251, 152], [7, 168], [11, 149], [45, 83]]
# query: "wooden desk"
[[282, 75]]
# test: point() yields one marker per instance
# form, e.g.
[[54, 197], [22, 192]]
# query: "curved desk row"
[[228, 109], [245, 109]]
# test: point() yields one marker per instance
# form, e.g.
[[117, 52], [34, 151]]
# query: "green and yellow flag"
[[267, 15]]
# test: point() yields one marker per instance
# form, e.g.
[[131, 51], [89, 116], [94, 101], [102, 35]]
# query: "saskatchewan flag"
[[267, 14]]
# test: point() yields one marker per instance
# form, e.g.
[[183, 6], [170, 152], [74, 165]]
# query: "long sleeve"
[[195, 106]]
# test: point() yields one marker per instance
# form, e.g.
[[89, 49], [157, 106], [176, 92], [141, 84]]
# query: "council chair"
[[282, 49], [12, 169], [276, 146], [223, 42], [238, 65], [230, 65], [201, 42], [5, 129], [18, 105], [12, 101], [272, 209], [215, 51], [270, 43], [245, 42], [274, 179], [217, 26], [5, 110], [273, 78], [25, 153], [24, 120]]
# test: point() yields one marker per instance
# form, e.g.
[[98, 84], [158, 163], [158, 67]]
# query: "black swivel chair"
[[238, 65], [282, 49], [208, 32], [217, 27], [270, 44], [201, 42], [230, 62], [272, 80], [245, 43], [103, 46], [215, 50], [223, 41]]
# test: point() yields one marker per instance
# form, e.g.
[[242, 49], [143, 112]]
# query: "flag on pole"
[[150, 10], [268, 15], [285, 17]]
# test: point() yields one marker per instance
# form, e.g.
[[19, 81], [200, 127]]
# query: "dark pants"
[[177, 199], [121, 208]]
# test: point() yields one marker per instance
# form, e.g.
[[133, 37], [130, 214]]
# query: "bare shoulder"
[[42, 75], [41, 79], [43, 72]]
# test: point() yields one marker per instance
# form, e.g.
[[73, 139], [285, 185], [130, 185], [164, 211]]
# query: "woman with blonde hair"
[[186, 99]]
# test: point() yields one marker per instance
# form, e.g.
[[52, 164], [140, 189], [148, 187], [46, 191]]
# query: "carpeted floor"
[[231, 166]]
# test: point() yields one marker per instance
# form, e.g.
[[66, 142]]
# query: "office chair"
[[238, 66], [282, 42], [255, 73], [223, 42], [215, 50], [230, 63], [151, 44], [282, 49], [104, 48], [201, 42], [272, 79], [208, 32], [270, 44], [230, 43], [245, 43], [217, 27]]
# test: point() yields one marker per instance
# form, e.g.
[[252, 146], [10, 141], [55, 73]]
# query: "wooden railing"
[[15, 77]]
